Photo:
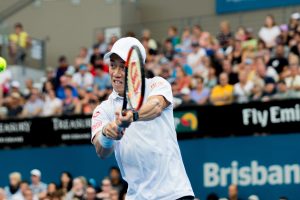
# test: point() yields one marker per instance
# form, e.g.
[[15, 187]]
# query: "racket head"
[[134, 79]]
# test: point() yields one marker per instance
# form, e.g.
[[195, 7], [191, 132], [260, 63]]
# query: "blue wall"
[[266, 151]]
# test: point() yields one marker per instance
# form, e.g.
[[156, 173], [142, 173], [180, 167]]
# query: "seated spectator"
[[212, 79], [182, 80], [233, 192], [24, 186], [71, 104], [225, 35], [106, 188], [212, 196], [37, 186], [101, 44], [117, 182], [96, 55], [34, 106], [242, 89], [12, 191], [114, 195], [173, 36], [168, 50], [269, 89], [151, 43], [282, 91], [227, 68], [28, 195], [102, 82], [186, 41], [199, 93], [185, 95], [194, 59], [279, 62], [269, 32], [60, 91], [222, 94], [89, 101], [78, 189], [2, 194], [52, 105], [83, 78], [66, 182], [61, 69], [90, 193], [19, 41], [14, 105], [293, 80]]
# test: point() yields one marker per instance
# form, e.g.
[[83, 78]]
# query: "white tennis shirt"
[[148, 155]]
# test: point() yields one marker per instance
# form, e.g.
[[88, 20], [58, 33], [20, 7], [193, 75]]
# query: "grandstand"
[[235, 75]]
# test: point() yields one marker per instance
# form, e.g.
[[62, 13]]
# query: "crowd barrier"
[[191, 122]]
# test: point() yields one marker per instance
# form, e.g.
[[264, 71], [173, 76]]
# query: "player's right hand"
[[111, 131]]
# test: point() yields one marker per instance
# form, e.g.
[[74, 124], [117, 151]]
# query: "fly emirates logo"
[[252, 175]]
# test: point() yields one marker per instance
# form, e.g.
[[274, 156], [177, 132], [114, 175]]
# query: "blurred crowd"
[[232, 66], [111, 187]]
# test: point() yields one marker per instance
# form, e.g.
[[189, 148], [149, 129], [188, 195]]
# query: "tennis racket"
[[134, 85]]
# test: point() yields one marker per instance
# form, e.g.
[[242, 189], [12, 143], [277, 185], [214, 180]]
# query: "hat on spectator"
[[185, 91], [122, 46], [15, 95], [83, 67], [253, 197], [36, 172], [295, 16], [15, 84]]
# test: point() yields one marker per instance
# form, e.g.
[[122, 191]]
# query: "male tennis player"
[[147, 153]]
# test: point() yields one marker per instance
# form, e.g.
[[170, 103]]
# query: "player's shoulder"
[[103, 105], [157, 81]]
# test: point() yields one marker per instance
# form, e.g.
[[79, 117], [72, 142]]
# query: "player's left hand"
[[124, 119]]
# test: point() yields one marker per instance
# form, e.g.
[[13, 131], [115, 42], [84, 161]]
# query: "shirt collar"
[[115, 95]]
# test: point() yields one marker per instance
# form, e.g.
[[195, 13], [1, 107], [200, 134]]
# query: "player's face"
[[117, 73]]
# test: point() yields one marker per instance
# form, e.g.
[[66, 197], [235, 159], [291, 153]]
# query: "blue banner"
[[255, 164], [227, 6]]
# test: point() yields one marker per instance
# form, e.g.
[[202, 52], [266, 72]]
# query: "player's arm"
[[104, 132]]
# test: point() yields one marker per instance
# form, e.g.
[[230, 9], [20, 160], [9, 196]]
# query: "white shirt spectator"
[[51, 106], [269, 35], [83, 80], [194, 60], [242, 93], [150, 161]]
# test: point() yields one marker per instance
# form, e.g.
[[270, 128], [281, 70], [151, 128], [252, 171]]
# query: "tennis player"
[[147, 152]]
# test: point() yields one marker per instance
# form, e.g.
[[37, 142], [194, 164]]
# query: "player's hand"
[[111, 130], [124, 119]]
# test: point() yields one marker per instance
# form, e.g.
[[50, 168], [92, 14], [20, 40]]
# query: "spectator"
[[233, 192], [37, 186], [95, 56], [66, 182], [2, 194], [24, 185], [114, 195], [196, 32], [52, 105], [101, 44], [12, 191], [211, 78], [65, 81], [242, 89], [269, 32], [28, 195], [83, 56], [293, 80], [71, 104], [117, 182], [102, 82], [293, 24], [199, 93], [150, 41], [78, 190], [225, 36], [14, 105], [279, 62], [19, 41], [186, 41], [106, 187], [222, 94], [253, 197], [185, 95], [282, 91], [89, 101], [182, 80], [61, 69], [34, 106], [90, 193], [173, 36], [212, 196], [194, 59], [227, 68], [168, 49], [51, 189], [83, 78]]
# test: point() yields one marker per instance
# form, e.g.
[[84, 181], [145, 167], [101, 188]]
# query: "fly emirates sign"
[[253, 174], [274, 115]]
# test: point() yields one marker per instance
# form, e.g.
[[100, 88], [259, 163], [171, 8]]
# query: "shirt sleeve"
[[99, 119], [160, 86]]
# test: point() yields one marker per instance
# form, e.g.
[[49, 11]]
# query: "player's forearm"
[[101, 151], [151, 109]]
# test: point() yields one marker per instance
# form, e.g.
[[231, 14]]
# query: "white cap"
[[253, 197], [185, 91], [36, 172], [122, 46], [15, 84], [295, 16]]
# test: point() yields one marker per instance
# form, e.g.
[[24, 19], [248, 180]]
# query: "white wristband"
[[105, 142]]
